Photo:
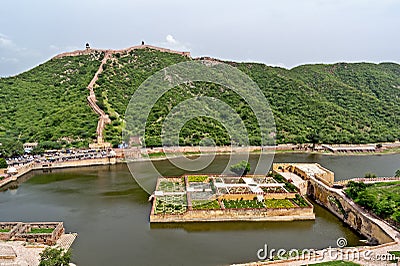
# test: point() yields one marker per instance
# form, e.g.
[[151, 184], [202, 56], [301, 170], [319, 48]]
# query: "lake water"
[[110, 212]]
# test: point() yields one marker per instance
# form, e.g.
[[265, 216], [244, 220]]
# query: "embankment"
[[22, 170], [248, 215]]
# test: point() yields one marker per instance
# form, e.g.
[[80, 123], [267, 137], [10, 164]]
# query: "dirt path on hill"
[[103, 117]]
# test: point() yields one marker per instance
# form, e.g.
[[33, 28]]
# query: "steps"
[[66, 240]]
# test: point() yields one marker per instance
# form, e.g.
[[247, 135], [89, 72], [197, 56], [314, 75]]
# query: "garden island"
[[278, 196]]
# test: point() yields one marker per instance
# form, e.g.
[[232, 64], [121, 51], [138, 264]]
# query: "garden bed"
[[300, 201], [243, 204], [199, 186], [197, 178], [202, 195], [173, 185], [239, 190], [264, 180], [173, 204], [41, 231], [278, 203], [273, 190], [233, 180], [205, 205]]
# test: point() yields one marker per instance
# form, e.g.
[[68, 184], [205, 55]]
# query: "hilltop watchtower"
[[87, 46]]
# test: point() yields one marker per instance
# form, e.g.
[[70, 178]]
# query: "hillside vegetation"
[[48, 103], [339, 103], [383, 199]]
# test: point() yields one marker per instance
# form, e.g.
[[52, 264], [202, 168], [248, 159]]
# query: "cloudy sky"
[[285, 32]]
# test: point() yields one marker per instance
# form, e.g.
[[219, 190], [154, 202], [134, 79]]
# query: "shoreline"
[[32, 167], [194, 154], [25, 169]]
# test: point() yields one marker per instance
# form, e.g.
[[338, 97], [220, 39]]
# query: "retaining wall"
[[279, 214], [344, 208]]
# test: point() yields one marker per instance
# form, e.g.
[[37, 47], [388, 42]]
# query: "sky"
[[283, 33]]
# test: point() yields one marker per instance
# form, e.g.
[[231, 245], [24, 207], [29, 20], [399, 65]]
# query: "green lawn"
[[279, 203], [4, 230], [205, 205], [41, 231], [197, 178], [243, 204], [156, 154]]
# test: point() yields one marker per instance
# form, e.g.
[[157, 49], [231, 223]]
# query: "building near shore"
[[349, 148], [28, 147], [299, 173]]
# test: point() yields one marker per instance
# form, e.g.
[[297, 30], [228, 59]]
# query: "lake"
[[110, 212]]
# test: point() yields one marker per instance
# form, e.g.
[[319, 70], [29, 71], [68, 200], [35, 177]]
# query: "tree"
[[3, 163], [355, 188], [397, 174], [370, 175], [365, 199], [241, 168], [11, 147], [54, 257], [314, 137]]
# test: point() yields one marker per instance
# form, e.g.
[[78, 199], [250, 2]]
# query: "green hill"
[[339, 103]]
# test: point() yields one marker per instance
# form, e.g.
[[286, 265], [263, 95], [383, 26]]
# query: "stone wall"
[[122, 51], [344, 208], [279, 214], [13, 228], [76, 163], [45, 238], [21, 232]]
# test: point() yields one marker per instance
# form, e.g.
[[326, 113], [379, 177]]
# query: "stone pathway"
[[19, 253], [66, 240], [25, 255], [103, 117], [7, 252]]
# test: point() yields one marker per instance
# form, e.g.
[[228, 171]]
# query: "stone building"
[[303, 171]]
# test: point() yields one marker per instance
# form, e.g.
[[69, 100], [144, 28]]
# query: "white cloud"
[[170, 39], [14, 58], [9, 46], [6, 42], [172, 43]]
